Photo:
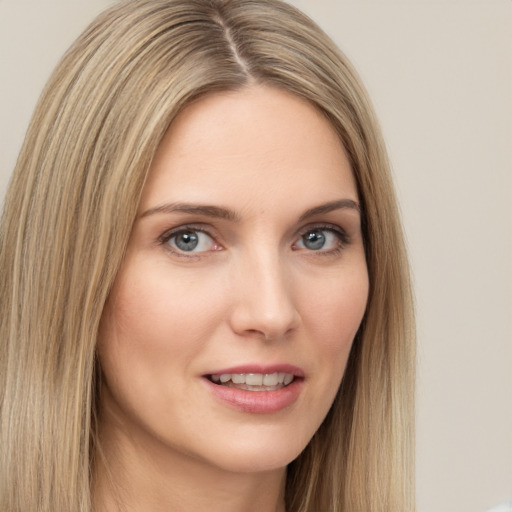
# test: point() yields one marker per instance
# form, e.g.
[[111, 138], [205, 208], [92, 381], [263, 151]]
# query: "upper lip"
[[260, 368]]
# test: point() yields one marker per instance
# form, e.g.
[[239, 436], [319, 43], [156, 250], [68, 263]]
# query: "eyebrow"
[[194, 209], [226, 214], [329, 207]]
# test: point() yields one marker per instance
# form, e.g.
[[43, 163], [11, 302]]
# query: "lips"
[[257, 389]]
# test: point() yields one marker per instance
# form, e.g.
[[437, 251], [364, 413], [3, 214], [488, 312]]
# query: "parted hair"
[[70, 209]]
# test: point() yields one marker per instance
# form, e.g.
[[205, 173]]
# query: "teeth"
[[268, 380], [254, 379]]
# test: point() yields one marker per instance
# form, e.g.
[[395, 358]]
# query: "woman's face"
[[245, 270]]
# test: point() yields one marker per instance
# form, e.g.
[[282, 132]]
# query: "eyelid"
[[341, 233], [164, 238], [169, 233], [327, 226]]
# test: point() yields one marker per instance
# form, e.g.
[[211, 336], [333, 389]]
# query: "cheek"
[[334, 314], [335, 310], [155, 325], [152, 329], [154, 314]]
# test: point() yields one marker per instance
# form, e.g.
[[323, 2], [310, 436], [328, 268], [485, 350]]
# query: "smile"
[[253, 381], [255, 388]]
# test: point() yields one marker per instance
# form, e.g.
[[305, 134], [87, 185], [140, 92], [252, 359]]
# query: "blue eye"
[[321, 239], [314, 240], [191, 240]]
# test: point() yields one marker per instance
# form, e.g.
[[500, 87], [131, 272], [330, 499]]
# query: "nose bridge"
[[265, 303]]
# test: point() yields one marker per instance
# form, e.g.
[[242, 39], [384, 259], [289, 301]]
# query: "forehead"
[[257, 143]]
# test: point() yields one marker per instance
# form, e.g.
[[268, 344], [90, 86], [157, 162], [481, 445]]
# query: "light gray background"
[[440, 75]]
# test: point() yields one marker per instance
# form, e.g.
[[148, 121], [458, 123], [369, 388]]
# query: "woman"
[[205, 296]]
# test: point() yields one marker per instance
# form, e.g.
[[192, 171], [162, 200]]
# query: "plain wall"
[[440, 75]]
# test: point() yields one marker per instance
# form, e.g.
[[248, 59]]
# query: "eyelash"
[[168, 235], [340, 233]]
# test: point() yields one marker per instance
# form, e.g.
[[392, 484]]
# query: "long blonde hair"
[[69, 212]]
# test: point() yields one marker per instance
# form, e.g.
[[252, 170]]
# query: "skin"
[[251, 292]]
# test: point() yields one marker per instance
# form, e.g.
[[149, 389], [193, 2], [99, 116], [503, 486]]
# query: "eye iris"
[[187, 241], [314, 240]]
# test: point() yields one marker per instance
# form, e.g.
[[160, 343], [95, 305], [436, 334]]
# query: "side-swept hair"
[[68, 216]]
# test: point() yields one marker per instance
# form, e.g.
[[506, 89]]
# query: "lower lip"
[[257, 402]]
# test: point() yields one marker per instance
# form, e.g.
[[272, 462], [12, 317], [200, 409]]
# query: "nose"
[[263, 305]]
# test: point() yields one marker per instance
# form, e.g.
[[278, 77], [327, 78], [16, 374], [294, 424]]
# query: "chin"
[[256, 456]]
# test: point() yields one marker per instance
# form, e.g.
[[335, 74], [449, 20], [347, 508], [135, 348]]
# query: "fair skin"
[[246, 257]]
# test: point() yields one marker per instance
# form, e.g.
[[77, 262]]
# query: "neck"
[[140, 477]]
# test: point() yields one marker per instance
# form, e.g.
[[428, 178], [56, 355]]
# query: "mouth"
[[255, 388], [253, 381]]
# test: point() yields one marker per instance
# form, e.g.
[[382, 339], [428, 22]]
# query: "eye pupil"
[[187, 241], [314, 240]]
